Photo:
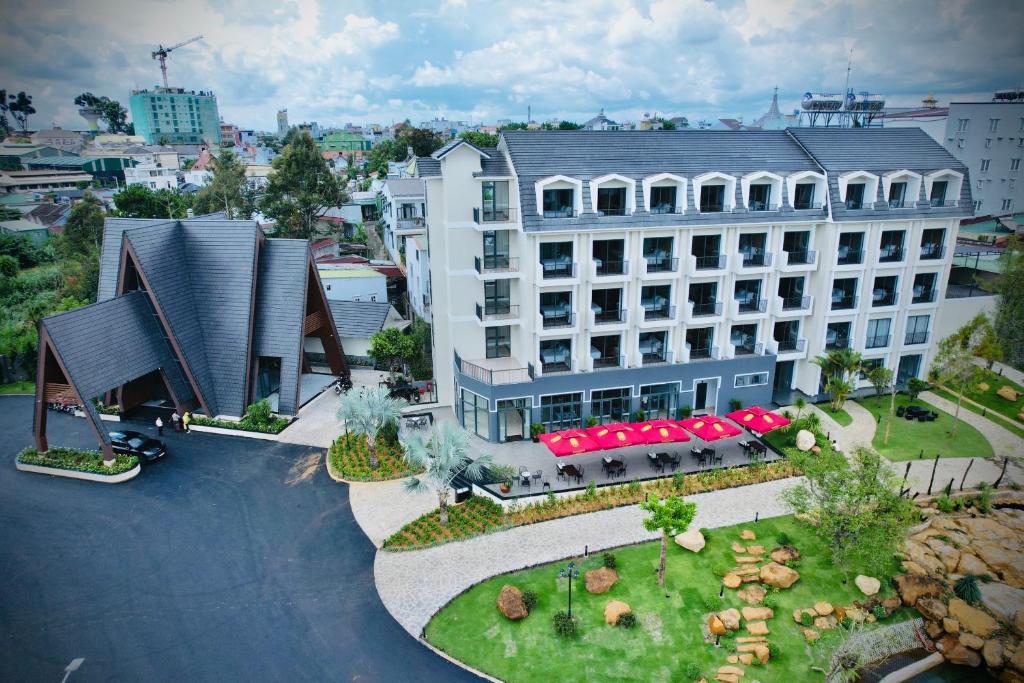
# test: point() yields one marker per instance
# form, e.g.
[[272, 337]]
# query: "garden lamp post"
[[569, 572]]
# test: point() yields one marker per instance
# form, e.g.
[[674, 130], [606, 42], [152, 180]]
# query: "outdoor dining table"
[[573, 471], [614, 467]]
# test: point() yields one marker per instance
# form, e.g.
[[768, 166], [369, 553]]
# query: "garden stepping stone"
[[732, 659], [785, 554], [750, 578], [745, 571], [730, 673], [731, 581], [748, 535], [746, 659], [762, 653], [825, 623], [757, 613], [823, 608], [748, 647], [737, 548], [755, 549], [730, 618], [810, 634], [757, 628], [743, 559], [753, 594], [751, 639]]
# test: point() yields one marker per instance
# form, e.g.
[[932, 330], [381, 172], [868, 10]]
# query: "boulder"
[[970, 564], [511, 603], [992, 653], [692, 540], [913, 587], [613, 610], [798, 614], [810, 635], [1017, 661], [868, 585], [804, 440], [731, 580], [856, 614], [950, 625], [600, 580], [748, 535], [1009, 564], [824, 608], [757, 628], [757, 613], [778, 575], [816, 450], [1005, 602], [715, 626], [955, 653], [972, 641], [972, 619], [785, 554], [730, 618], [932, 608], [1008, 392], [933, 629], [825, 623], [752, 594], [891, 604], [912, 567], [923, 555], [988, 529], [840, 613], [762, 653], [947, 554]]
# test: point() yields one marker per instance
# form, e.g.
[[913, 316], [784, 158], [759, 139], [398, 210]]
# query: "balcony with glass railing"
[[923, 295], [489, 312], [601, 316], [490, 265], [877, 341], [884, 297], [932, 251], [916, 338], [708, 262], [704, 309], [489, 215], [844, 300], [495, 371], [800, 258]]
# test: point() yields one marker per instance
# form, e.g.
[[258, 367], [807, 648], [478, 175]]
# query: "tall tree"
[[954, 365], [839, 367], [367, 412], [479, 138], [854, 505], [83, 232], [444, 456], [1010, 306], [111, 112], [569, 125], [422, 140], [21, 108], [300, 189], [225, 190], [880, 378], [5, 126], [671, 516], [380, 155], [392, 347], [137, 201]]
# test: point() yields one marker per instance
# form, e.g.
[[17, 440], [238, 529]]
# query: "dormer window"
[[804, 197], [855, 196], [712, 198], [897, 194], [611, 201], [663, 199], [760, 197], [938, 195], [558, 203]]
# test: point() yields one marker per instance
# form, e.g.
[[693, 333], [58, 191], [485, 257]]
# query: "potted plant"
[[536, 429], [639, 416], [735, 404], [685, 412], [591, 421]]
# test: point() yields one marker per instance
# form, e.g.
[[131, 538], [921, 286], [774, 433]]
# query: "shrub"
[[564, 625], [944, 503], [712, 603], [591, 489], [530, 600], [77, 460], [706, 533], [639, 416], [735, 404], [627, 620], [719, 570], [783, 539], [591, 421], [634, 486], [259, 413], [879, 612], [966, 588], [679, 481], [984, 501], [389, 434], [686, 412], [692, 671], [806, 619], [608, 560], [774, 651], [771, 598], [846, 622]]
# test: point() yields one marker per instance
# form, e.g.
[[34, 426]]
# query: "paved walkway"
[[382, 508], [414, 585], [1004, 442], [317, 424], [1007, 371]]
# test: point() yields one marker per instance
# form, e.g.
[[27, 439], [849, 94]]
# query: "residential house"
[[402, 210]]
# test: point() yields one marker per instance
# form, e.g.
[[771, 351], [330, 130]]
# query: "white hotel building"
[[604, 273]]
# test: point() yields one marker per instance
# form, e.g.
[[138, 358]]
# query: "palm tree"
[[671, 516], [839, 367], [840, 388], [800, 404], [368, 412], [443, 456]]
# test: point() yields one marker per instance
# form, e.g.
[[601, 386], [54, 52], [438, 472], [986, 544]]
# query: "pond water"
[[943, 673]]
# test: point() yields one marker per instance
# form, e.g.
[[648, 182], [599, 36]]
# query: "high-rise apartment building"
[[282, 123], [175, 115], [578, 274]]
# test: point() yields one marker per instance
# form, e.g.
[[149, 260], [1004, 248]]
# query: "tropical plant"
[[880, 379], [966, 588], [954, 365], [366, 412], [671, 516], [839, 389], [1009, 319], [564, 624], [111, 112], [444, 456], [20, 107], [840, 367], [800, 404], [226, 190]]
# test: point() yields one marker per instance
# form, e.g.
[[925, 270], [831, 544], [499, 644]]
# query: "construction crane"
[[161, 54]]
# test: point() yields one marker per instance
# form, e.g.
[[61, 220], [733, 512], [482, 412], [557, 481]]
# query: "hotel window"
[[1014, 165], [993, 125], [804, 196], [558, 203], [760, 197], [712, 198], [961, 125], [878, 333], [499, 342], [561, 411], [754, 379], [855, 196], [869, 364], [977, 206], [917, 329], [475, 417], [1007, 204], [611, 201], [984, 165], [851, 248], [897, 193], [938, 195], [663, 199], [988, 143]]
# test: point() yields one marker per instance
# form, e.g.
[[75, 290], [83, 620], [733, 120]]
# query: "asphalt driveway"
[[229, 560]]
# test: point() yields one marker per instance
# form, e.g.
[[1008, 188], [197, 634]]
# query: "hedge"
[[76, 459], [276, 425], [349, 458]]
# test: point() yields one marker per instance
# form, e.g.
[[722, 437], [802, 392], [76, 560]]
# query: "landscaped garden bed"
[[841, 416], [1012, 424], [486, 516], [670, 638], [349, 458], [908, 438], [258, 418], [77, 460]]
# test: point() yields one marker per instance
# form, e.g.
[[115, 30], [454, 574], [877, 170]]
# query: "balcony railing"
[[556, 269], [702, 352], [756, 259], [659, 358], [551, 322], [413, 223], [885, 298], [663, 208], [613, 361], [895, 203], [851, 258], [752, 305], [606, 317], [712, 207], [876, 342], [839, 342], [660, 313], [847, 301], [753, 205], [916, 338], [661, 264], [755, 349], [796, 302], [924, 296], [889, 253], [426, 302], [500, 215], [854, 204], [611, 268], [558, 368], [488, 376], [801, 257], [932, 251], [496, 264], [706, 308], [943, 203], [486, 313], [561, 212], [712, 262], [808, 206], [607, 211], [792, 346]]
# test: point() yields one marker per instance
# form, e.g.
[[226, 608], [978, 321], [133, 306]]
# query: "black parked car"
[[134, 443]]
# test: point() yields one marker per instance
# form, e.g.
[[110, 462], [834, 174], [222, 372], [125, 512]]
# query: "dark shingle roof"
[[277, 330], [875, 149], [360, 319], [494, 166], [427, 167]]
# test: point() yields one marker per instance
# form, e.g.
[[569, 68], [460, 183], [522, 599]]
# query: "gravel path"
[[414, 585]]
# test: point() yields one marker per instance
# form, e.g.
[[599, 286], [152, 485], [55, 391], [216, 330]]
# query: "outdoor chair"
[[537, 475], [923, 417], [719, 458], [676, 461], [524, 468], [652, 460], [524, 479], [622, 470], [900, 411], [559, 472]]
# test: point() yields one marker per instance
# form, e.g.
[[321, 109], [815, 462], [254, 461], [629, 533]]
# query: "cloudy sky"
[[335, 61]]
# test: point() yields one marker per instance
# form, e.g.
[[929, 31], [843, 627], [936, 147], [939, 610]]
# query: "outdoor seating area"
[[918, 413]]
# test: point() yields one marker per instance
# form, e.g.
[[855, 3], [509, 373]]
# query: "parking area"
[[231, 559]]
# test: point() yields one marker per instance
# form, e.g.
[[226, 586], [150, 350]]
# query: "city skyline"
[[357, 63]]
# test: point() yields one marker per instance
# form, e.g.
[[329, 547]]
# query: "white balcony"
[[788, 349], [560, 272], [751, 263], [659, 316], [658, 268], [556, 325], [496, 267], [608, 271], [708, 266], [738, 351], [607, 320], [793, 261], [748, 308], [709, 313], [507, 314], [691, 355], [792, 305]]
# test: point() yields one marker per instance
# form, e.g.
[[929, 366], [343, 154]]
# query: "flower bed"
[[275, 426], [485, 515], [78, 460], [349, 459]]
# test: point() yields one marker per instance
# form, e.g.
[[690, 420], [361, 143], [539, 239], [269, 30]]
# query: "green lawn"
[[668, 634], [908, 438], [18, 388], [996, 417], [992, 401], [840, 416]]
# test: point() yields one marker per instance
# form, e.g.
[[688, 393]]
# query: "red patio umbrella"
[[709, 427], [662, 431], [615, 435], [757, 419], [569, 442]]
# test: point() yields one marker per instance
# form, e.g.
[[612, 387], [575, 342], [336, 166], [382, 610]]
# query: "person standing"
[[185, 419], [176, 421], [159, 426]]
